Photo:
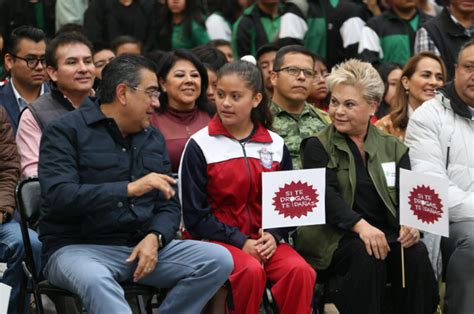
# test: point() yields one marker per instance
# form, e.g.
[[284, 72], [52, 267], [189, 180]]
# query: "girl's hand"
[[250, 247], [266, 246]]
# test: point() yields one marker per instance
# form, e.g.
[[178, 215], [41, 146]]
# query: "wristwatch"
[[160, 239]]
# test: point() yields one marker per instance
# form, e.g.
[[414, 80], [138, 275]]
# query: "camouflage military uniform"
[[294, 130]]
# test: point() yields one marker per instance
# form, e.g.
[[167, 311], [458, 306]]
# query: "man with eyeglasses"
[[25, 63], [71, 69], [440, 135], [109, 212], [294, 118]]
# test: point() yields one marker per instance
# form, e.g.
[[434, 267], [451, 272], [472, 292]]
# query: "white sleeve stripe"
[[369, 40], [217, 28], [351, 31], [293, 26], [220, 148]]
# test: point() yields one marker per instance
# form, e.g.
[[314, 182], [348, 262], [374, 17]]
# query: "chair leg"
[[38, 301], [269, 302], [159, 295], [141, 304], [22, 295], [149, 305]]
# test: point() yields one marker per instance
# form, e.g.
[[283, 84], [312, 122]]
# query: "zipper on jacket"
[[250, 186]]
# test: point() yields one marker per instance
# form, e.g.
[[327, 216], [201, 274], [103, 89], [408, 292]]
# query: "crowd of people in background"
[[113, 104]]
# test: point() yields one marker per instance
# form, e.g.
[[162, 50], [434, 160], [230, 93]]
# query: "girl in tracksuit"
[[221, 194]]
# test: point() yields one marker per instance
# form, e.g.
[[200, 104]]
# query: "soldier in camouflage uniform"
[[294, 118]]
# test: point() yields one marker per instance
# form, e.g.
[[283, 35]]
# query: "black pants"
[[364, 278]]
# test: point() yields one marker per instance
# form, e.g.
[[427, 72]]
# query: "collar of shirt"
[[472, 110], [468, 31], [277, 110], [19, 99]]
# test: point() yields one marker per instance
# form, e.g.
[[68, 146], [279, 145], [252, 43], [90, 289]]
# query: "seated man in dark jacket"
[[109, 212]]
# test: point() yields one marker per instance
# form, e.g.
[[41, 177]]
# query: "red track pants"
[[292, 281]]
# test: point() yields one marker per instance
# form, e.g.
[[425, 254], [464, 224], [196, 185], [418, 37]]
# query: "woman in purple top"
[[184, 106]]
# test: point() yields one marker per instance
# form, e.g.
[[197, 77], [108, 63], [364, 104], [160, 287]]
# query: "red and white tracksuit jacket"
[[221, 196]]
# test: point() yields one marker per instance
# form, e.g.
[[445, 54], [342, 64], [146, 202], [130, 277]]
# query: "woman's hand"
[[266, 246], [374, 239], [408, 236]]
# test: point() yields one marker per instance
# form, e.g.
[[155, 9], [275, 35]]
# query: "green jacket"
[[390, 36], [318, 243], [316, 37], [180, 40], [253, 29], [294, 129]]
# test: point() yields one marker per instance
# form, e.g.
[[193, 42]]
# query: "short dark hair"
[[266, 49], [101, 46], [212, 58], [220, 42], [466, 45], [288, 41], [123, 69], [23, 32], [70, 27], [282, 52], [124, 39], [384, 70], [61, 40], [318, 58], [252, 76], [168, 61], [155, 56]]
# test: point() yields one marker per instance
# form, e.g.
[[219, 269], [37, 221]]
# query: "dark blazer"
[[9, 102]]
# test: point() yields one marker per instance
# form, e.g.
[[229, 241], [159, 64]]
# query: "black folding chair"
[[28, 194], [269, 303]]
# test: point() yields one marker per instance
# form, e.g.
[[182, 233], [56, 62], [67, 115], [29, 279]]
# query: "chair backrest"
[[28, 194]]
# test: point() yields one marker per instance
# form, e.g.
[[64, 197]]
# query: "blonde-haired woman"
[[362, 238], [421, 76]]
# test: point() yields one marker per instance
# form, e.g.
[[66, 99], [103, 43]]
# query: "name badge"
[[390, 173]]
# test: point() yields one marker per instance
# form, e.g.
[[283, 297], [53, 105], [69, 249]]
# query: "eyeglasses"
[[153, 94], [31, 62], [319, 78], [295, 71]]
